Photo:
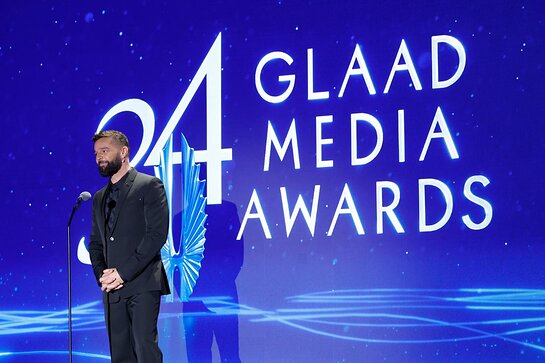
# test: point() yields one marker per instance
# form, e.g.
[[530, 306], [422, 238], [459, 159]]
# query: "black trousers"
[[132, 328]]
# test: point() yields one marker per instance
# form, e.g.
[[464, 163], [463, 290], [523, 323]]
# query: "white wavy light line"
[[509, 300], [340, 313], [31, 321], [482, 334], [55, 352]]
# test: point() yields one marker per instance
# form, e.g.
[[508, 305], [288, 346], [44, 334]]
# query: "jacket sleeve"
[[156, 231], [96, 247]]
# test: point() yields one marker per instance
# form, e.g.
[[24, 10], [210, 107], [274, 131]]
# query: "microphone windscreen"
[[85, 196]]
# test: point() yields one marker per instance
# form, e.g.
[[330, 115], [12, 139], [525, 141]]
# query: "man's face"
[[108, 156]]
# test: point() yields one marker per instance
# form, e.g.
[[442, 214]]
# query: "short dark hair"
[[118, 136]]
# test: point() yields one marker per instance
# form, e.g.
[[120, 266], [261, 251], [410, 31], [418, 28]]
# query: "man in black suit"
[[130, 226]]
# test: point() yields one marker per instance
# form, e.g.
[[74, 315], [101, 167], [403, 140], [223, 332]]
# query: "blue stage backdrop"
[[374, 174]]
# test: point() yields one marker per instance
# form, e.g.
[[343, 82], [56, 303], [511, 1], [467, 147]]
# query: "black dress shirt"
[[110, 205]]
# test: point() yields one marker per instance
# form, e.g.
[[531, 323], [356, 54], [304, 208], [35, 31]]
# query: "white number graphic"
[[214, 154]]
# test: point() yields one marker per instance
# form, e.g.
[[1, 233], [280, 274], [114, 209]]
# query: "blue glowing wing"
[[185, 255]]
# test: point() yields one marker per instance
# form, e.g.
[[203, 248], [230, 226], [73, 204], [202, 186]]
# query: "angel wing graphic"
[[185, 254]]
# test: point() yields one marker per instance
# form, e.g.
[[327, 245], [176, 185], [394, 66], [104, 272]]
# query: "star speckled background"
[[63, 65]]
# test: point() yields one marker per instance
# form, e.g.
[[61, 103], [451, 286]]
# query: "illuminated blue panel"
[[374, 180]]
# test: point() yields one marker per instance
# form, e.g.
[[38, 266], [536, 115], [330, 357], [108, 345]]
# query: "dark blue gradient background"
[[63, 65]]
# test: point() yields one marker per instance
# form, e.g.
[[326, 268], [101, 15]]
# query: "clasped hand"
[[110, 280]]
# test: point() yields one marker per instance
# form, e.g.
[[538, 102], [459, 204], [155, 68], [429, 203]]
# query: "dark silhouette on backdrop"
[[212, 311]]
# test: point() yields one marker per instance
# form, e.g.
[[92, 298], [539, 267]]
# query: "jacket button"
[[111, 239]]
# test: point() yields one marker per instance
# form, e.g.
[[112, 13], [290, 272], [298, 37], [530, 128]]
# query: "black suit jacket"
[[134, 244]]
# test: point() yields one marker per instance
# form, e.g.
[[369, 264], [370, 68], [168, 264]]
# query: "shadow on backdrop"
[[212, 310]]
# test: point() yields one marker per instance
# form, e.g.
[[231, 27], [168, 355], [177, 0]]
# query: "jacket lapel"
[[101, 194], [123, 192]]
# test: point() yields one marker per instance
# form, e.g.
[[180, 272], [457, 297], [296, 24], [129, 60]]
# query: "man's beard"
[[111, 167]]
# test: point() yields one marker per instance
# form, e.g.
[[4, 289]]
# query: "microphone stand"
[[69, 270]]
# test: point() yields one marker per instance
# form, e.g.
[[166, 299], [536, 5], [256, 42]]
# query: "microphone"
[[84, 196]]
